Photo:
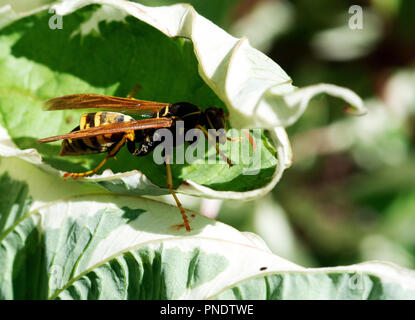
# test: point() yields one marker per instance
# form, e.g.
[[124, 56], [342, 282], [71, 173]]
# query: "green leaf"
[[15, 201], [105, 246]]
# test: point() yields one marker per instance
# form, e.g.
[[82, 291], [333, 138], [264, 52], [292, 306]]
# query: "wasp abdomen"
[[98, 144]]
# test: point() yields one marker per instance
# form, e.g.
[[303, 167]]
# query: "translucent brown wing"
[[152, 123], [96, 101]]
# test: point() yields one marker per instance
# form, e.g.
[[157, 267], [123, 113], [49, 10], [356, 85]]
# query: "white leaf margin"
[[257, 91]]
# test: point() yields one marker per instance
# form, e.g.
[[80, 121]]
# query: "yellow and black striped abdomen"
[[96, 144]]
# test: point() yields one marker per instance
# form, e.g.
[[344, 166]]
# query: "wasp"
[[107, 131]]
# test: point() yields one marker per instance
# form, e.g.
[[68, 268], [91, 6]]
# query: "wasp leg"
[[111, 154], [170, 186], [145, 149], [83, 174], [213, 141], [133, 91]]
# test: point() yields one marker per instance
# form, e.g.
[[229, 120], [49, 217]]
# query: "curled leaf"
[[109, 49]]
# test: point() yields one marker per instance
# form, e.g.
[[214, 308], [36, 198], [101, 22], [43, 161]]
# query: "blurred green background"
[[350, 194]]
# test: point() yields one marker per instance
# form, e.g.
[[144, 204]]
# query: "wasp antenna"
[[133, 91], [250, 138]]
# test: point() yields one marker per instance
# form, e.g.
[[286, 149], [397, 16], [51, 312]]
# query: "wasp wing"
[[96, 101], [111, 128]]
